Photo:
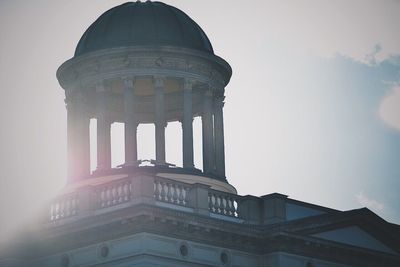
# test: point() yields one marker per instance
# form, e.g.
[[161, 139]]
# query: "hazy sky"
[[312, 109]]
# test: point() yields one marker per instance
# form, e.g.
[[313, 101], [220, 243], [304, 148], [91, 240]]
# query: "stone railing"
[[113, 193], [64, 206], [170, 191], [223, 203], [167, 193]]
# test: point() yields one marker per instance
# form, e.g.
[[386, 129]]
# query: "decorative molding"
[[167, 61]]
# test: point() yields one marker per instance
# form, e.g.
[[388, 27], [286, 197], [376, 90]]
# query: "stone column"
[[78, 143], [71, 146], [187, 125], [219, 136], [103, 130], [83, 137], [130, 123], [208, 135], [160, 123]]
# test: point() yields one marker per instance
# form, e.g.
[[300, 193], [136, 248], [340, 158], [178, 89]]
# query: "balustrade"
[[63, 207], [165, 190], [113, 193], [171, 192], [223, 203]]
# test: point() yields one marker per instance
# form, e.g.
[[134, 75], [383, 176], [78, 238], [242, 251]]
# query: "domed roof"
[[143, 23]]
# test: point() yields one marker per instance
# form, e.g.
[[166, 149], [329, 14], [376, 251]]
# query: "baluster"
[[155, 186], [105, 193], [235, 208], [219, 204], [114, 195], [169, 192], [163, 193], [62, 208], [71, 205], [57, 210], [185, 195], [100, 198], [213, 203], [120, 195], [231, 208], [224, 205], [216, 203], [209, 202], [227, 205], [67, 207], [123, 195], [108, 196], [74, 205], [181, 196], [51, 212], [175, 194], [54, 211], [103, 197], [126, 192], [117, 194], [157, 190]]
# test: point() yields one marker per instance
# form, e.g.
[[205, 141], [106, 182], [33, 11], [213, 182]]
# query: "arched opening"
[[173, 143], [146, 141], [117, 144]]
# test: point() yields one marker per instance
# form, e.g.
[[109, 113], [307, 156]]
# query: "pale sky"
[[312, 110]]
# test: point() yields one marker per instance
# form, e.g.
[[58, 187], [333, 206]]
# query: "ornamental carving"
[[112, 64]]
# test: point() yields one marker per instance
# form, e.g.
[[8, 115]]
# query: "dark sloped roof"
[[143, 23], [382, 230]]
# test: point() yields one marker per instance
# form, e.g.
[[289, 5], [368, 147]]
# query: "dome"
[[143, 24]]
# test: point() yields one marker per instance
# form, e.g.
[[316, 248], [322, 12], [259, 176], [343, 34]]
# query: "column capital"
[[158, 81], [68, 96], [100, 88], [128, 82], [219, 101], [75, 99], [188, 84], [161, 123], [208, 93], [181, 120], [80, 96]]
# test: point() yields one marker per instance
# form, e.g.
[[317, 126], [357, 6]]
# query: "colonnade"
[[78, 130]]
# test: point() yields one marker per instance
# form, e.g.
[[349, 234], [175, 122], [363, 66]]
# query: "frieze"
[[114, 64]]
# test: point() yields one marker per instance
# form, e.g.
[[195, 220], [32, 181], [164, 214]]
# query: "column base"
[[161, 163], [130, 164]]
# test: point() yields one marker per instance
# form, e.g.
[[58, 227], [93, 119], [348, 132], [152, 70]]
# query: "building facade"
[[148, 62]]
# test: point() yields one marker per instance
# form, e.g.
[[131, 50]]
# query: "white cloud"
[[389, 109], [368, 202]]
